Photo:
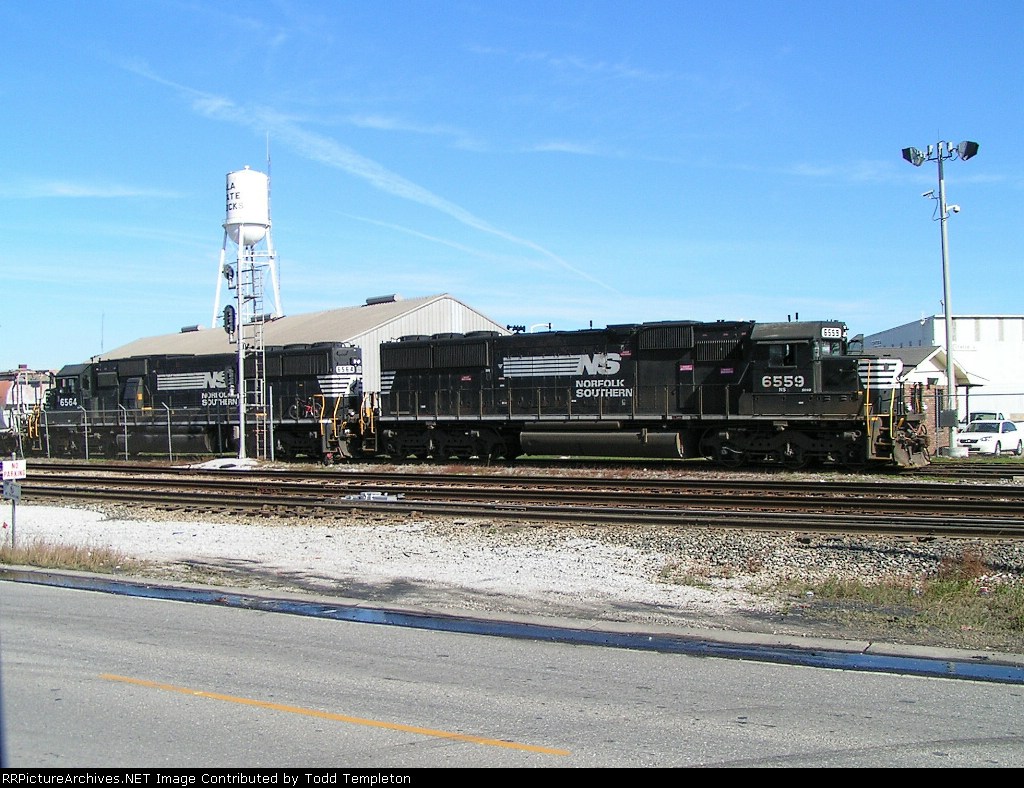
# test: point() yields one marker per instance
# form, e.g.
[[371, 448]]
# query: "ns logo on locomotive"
[[732, 392]]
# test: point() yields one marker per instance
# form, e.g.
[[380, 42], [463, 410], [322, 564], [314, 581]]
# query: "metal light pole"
[[940, 152]]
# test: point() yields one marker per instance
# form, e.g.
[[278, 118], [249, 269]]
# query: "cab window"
[[783, 354]]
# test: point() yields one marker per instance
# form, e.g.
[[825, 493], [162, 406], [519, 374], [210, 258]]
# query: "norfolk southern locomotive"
[[733, 392], [188, 404]]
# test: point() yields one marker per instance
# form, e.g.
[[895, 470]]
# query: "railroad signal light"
[[229, 319]]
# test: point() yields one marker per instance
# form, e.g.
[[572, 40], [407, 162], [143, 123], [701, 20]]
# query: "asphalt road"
[[94, 679]]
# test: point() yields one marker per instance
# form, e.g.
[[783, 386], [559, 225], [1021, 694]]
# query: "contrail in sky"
[[327, 151]]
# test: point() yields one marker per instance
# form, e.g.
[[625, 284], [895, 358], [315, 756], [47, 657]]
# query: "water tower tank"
[[248, 206]]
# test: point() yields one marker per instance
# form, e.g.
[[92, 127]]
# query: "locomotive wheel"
[[500, 447], [494, 451], [439, 447], [854, 457], [789, 450], [730, 456], [794, 457], [721, 452]]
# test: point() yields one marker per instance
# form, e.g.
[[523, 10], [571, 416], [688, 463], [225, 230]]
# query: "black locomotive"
[[733, 392], [189, 404]]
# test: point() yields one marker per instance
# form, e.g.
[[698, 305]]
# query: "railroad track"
[[771, 503], [977, 468], [1011, 470]]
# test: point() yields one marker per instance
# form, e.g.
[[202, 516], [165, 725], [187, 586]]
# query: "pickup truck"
[[991, 436]]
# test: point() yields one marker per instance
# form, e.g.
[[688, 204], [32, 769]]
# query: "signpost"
[[13, 469]]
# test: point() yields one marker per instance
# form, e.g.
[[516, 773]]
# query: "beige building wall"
[[989, 348]]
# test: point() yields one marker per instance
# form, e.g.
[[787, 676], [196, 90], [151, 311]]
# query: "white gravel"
[[694, 577], [464, 564]]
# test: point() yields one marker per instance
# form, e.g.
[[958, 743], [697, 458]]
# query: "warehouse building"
[[379, 319]]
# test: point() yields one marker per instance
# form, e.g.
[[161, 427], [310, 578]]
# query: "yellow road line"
[[394, 726]]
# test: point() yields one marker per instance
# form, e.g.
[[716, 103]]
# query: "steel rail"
[[826, 485], [293, 505], [937, 499], [976, 468]]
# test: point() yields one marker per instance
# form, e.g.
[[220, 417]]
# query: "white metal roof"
[[366, 325]]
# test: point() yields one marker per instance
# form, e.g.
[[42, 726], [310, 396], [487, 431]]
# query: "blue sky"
[[575, 162]]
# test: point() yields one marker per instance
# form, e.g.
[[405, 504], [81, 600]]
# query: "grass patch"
[[961, 599], [56, 556], [962, 603]]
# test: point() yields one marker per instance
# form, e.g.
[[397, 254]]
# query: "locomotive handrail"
[[170, 455], [538, 403], [367, 409], [85, 429], [33, 420], [124, 424], [320, 408], [333, 420]]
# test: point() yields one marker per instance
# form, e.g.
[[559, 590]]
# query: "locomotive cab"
[[71, 388], [801, 369]]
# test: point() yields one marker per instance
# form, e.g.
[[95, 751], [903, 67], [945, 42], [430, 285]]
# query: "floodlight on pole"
[[940, 152], [914, 156]]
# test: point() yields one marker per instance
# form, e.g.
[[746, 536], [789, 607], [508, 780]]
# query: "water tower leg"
[[272, 258]]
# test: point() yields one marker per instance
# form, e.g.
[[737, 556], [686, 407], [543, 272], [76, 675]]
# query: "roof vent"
[[383, 299], [189, 329]]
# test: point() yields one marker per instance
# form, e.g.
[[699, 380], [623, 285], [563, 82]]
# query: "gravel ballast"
[[698, 577]]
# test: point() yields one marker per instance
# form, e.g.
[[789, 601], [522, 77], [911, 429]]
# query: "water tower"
[[247, 225]]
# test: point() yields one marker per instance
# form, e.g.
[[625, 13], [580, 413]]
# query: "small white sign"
[[13, 469], [12, 490]]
